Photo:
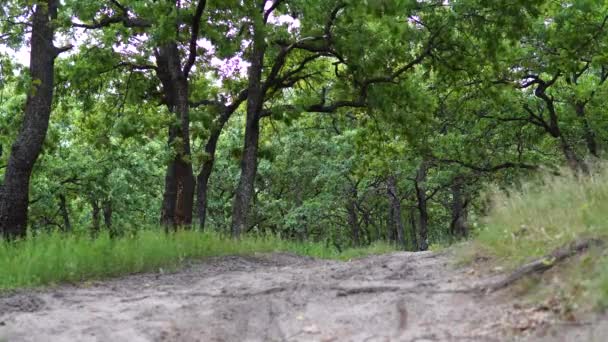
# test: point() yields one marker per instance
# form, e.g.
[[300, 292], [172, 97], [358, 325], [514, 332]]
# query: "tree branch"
[[273, 7], [494, 168], [135, 66], [123, 18], [545, 263], [196, 23]]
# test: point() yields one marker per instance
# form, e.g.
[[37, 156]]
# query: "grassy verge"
[[54, 258], [534, 221]]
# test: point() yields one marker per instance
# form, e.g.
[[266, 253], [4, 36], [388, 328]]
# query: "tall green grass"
[[544, 215], [51, 258], [541, 217]]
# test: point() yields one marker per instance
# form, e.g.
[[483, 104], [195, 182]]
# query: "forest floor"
[[283, 297]]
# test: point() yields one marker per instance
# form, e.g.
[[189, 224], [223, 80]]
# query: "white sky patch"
[[227, 68], [206, 44], [284, 19], [21, 56], [268, 4], [292, 23]]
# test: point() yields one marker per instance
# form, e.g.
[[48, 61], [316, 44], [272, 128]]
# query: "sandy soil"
[[281, 297]]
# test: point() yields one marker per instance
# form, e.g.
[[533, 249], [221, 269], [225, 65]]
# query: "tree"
[[173, 44], [14, 192], [322, 42]]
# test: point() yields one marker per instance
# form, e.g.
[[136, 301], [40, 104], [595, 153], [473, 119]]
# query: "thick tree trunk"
[[395, 203], [245, 188], [63, 210], [458, 226], [249, 160], [14, 193], [178, 198], [422, 205]]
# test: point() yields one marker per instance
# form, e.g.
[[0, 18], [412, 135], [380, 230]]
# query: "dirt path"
[[395, 297]]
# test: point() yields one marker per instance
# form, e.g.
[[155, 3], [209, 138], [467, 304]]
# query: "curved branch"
[[196, 23]]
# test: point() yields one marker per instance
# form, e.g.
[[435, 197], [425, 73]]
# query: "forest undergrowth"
[[53, 258], [543, 216]]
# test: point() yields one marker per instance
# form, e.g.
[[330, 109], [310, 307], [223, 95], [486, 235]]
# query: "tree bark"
[[552, 127], [63, 209], [107, 217], [178, 198], [202, 186], [458, 225], [413, 231], [95, 217], [545, 263], [575, 163], [14, 193], [353, 218], [422, 205], [245, 188], [395, 203], [202, 180], [390, 225], [249, 159], [588, 133]]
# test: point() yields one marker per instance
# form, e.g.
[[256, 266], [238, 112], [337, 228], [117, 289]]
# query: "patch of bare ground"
[[282, 297]]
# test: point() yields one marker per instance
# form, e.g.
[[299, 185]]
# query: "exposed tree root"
[[343, 292], [544, 263]]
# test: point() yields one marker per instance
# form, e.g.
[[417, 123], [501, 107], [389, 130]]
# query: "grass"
[[52, 258], [542, 216]]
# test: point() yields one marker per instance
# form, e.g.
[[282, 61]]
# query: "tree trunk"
[[63, 209], [202, 180], [14, 193], [353, 221], [245, 188], [178, 198], [95, 216], [249, 160], [458, 225], [588, 132], [390, 225], [413, 230], [575, 163], [395, 203], [365, 233], [107, 217], [422, 205], [202, 183]]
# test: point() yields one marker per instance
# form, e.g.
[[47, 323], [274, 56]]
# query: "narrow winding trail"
[[279, 297]]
